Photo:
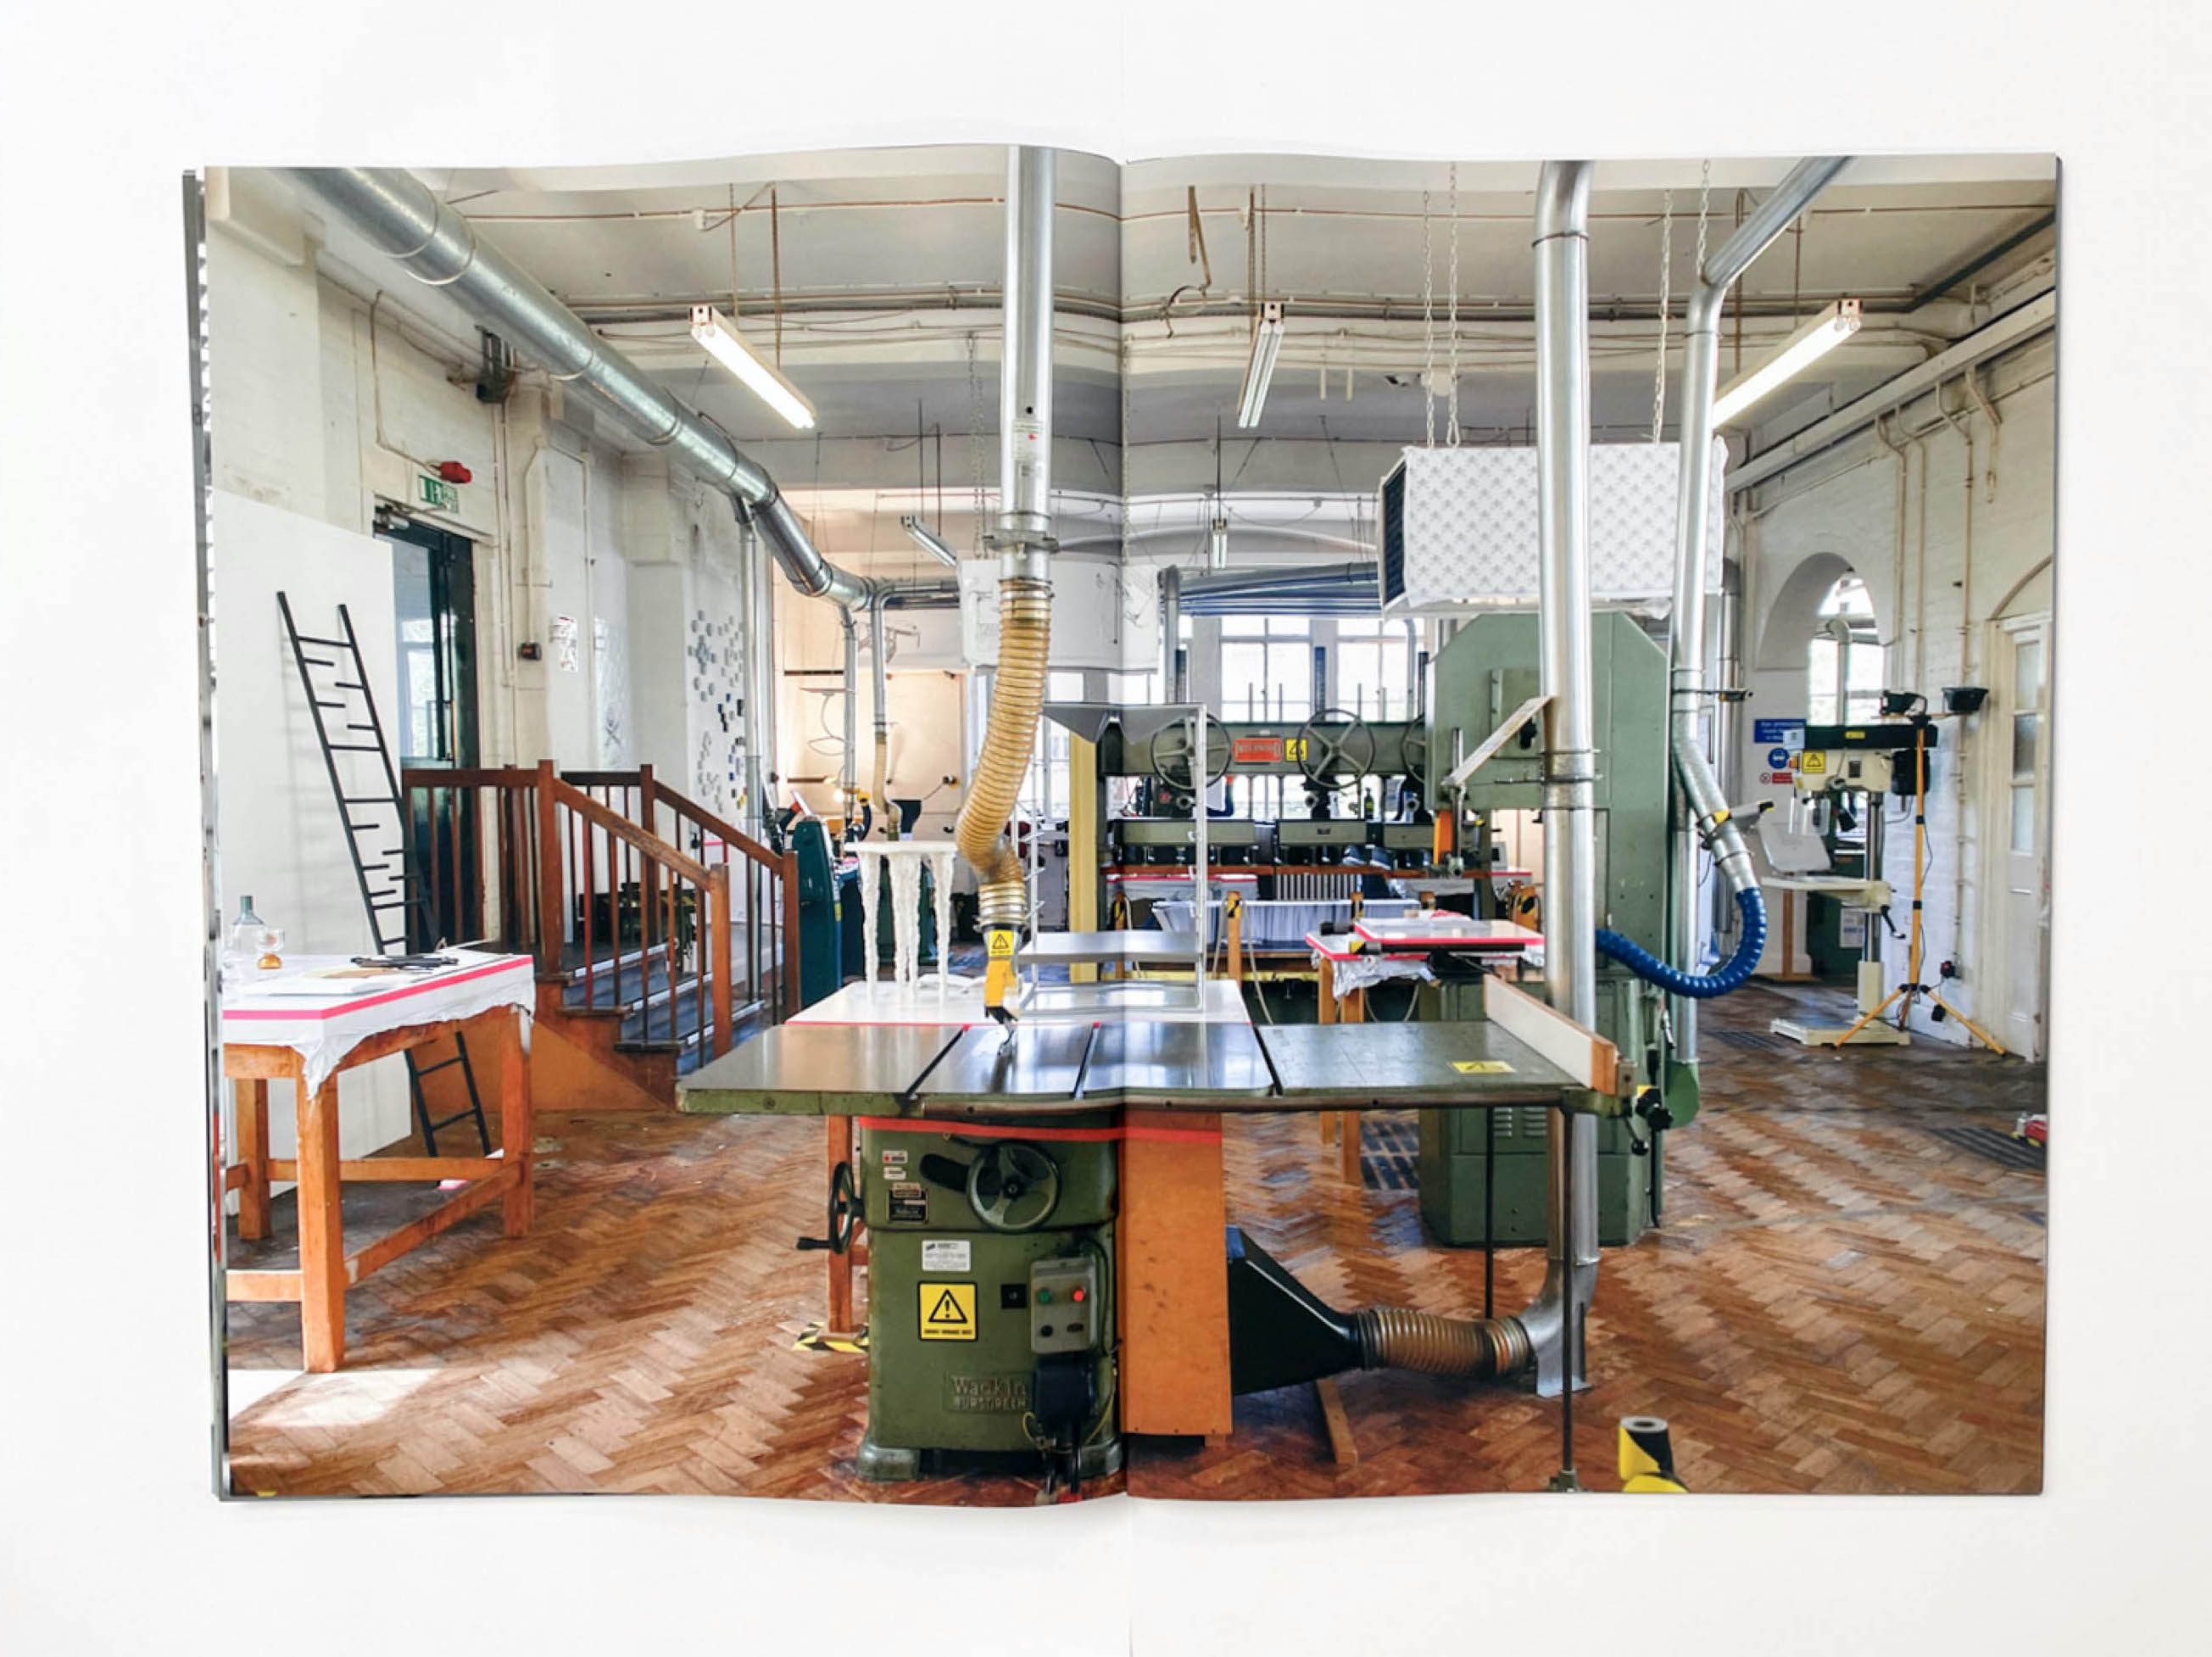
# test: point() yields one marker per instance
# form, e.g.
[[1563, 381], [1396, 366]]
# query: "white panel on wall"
[[610, 666], [279, 833], [264, 376], [659, 607], [715, 671], [571, 716]]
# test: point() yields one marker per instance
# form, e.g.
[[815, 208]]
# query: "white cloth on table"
[[322, 1020], [1364, 971], [1276, 923]]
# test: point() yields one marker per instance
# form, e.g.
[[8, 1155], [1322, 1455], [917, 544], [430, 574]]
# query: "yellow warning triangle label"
[[948, 1312]]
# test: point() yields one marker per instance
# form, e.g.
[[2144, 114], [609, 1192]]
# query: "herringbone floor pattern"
[[1839, 1301]]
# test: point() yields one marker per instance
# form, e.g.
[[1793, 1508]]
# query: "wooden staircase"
[[663, 934]]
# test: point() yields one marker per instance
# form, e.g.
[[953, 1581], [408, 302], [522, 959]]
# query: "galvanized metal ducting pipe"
[[879, 685], [1171, 633], [849, 773], [402, 217], [1704, 819], [1023, 540], [1553, 1322]]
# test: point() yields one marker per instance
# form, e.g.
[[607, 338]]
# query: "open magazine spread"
[[976, 825]]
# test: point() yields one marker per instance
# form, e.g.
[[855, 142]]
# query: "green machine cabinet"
[[1489, 669], [820, 966], [990, 1288], [1453, 1144]]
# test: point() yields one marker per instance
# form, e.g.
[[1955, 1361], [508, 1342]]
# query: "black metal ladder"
[[393, 898]]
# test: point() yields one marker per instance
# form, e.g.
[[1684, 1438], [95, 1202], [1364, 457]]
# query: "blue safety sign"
[[1777, 759], [1784, 733]]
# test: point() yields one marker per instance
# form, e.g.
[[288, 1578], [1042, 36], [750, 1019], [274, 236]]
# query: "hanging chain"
[[976, 438], [1451, 309], [1666, 275], [1428, 326], [1704, 213]]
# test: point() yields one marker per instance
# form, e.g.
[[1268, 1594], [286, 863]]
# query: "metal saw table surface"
[[1042, 1070]]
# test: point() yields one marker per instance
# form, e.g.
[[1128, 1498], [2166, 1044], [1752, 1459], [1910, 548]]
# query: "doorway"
[[435, 724], [2022, 761]]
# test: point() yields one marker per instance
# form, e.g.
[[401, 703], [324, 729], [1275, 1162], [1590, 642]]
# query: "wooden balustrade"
[[624, 889]]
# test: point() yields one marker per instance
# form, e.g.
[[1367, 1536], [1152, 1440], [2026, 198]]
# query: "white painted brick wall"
[[1843, 504]]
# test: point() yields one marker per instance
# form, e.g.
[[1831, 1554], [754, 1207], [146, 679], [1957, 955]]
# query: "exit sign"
[[438, 493]]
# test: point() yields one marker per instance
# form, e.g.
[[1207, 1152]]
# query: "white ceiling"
[[884, 264]]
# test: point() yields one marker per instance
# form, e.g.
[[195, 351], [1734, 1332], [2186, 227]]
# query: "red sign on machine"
[[1256, 750]]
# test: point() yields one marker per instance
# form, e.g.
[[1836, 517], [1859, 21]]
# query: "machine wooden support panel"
[[1589, 1057], [1174, 1276]]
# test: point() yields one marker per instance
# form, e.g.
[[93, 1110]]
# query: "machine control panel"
[[1064, 1305]]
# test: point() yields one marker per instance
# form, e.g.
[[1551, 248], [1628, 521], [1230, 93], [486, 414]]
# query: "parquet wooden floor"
[[1839, 1301]]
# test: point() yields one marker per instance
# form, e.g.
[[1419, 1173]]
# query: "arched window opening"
[[1844, 660]]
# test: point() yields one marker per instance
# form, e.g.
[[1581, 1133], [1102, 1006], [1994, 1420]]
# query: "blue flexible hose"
[[1750, 903]]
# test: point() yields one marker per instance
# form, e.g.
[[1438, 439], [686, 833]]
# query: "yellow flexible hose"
[[1017, 703]]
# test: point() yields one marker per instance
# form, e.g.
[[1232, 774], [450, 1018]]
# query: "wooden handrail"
[[729, 835], [501, 776], [531, 798], [641, 840]]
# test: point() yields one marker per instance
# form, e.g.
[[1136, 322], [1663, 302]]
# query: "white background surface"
[[112, 1542], [283, 841]]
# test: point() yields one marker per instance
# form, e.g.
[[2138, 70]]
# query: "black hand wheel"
[[844, 1208], [1335, 747], [1013, 1186], [1414, 755], [845, 1214], [1172, 748]]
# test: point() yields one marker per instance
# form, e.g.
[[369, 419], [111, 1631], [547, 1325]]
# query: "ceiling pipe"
[[1301, 577], [1703, 819], [402, 217]]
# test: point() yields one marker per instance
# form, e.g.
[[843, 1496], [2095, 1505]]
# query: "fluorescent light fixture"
[[1833, 325], [727, 346], [930, 541], [1266, 344], [1217, 544]]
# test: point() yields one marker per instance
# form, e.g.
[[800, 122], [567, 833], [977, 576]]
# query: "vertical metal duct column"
[[1023, 540], [1171, 633], [1554, 1321], [879, 684], [848, 782], [1704, 819]]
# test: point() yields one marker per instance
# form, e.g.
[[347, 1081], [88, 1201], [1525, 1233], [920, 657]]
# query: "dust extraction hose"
[[1750, 944], [1478, 1349], [1017, 703]]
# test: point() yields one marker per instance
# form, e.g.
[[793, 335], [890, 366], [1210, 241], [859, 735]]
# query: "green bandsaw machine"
[[1482, 677]]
